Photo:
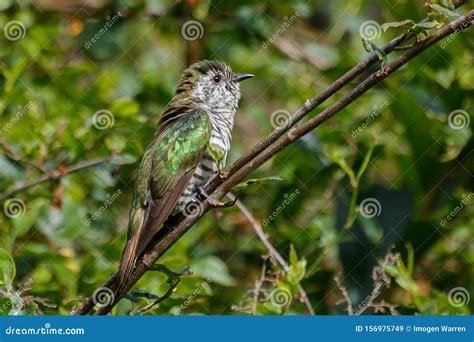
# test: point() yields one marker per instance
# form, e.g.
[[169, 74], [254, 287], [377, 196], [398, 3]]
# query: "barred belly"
[[203, 174]]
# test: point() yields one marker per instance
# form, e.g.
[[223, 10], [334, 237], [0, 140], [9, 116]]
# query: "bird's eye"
[[216, 79]]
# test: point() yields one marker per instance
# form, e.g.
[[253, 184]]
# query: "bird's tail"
[[134, 246], [127, 264]]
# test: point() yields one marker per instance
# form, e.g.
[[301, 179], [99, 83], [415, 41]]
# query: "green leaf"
[[407, 22], [339, 160], [4, 4], [5, 306], [422, 27], [116, 143], [447, 4], [297, 269], [201, 10], [214, 269], [371, 47], [7, 265], [256, 181], [411, 258], [367, 45], [444, 11], [293, 256], [125, 107], [124, 159]]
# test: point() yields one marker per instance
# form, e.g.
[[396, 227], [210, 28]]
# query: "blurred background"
[[380, 196]]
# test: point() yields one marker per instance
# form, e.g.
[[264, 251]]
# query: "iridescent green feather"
[[171, 154], [179, 151]]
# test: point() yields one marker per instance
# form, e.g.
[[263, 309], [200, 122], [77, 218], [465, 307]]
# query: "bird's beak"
[[241, 77]]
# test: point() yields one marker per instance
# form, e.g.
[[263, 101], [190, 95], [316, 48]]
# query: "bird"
[[188, 149]]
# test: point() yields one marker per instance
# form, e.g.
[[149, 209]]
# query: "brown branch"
[[271, 249], [55, 174], [317, 100], [274, 143], [8, 150]]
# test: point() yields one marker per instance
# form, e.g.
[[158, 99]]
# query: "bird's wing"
[[165, 172]]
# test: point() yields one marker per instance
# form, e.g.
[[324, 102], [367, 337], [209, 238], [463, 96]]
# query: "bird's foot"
[[215, 203], [202, 192], [222, 173]]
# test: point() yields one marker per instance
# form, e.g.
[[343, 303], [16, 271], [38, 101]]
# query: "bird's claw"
[[222, 174], [216, 203], [202, 193]]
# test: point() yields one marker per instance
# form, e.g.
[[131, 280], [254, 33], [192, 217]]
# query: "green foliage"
[[433, 303], [8, 269], [406, 143], [14, 301]]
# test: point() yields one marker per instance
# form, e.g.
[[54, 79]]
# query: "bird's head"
[[212, 85]]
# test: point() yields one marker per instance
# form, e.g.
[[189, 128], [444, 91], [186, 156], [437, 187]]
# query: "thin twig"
[[260, 233], [258, 286], [344, 292], [9, 151], [55, 174], [271, 249], [168, 293], [221, 185]]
